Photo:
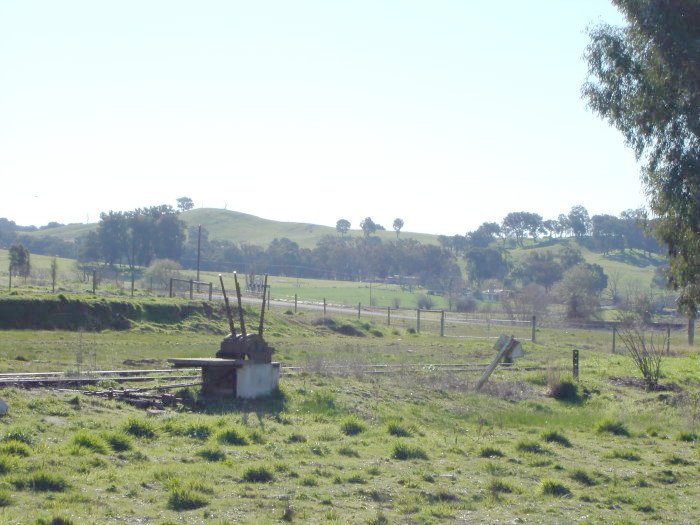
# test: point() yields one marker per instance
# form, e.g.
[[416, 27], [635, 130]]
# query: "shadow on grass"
[[634, 258], [271, 405]]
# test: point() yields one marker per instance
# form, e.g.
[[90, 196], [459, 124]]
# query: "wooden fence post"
[[668, 339], [295, 303], [324, 307], [211, 291], [359, 307], [418, 320], [575, 364], [191, 289], [614, 336], [94, 282], [388, 315], [171, 288], [442, 323], [534, 327], [691, 331]]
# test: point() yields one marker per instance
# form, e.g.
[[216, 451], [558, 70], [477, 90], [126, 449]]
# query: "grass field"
[[345, 446]]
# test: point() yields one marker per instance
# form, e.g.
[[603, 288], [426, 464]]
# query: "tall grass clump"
[[140, 428], [186, 499], [118, 441], [258, 475], [231, 436], [321, 402], [89, 441], [42, 481], [404, 451], [351, 426], [550, 487], [22, 435], [553, 436], [15, 448], [612, 426], [396, 429], [490, 452]]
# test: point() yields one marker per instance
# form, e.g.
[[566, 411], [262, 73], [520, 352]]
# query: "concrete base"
[[257, 380]]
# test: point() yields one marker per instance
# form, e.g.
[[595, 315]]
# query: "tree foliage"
[[19, 260], [342, 226], [644, 79]]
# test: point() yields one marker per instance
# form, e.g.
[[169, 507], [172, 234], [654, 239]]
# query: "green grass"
[[431, 451]]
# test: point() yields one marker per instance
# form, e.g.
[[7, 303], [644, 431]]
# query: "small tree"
[[185, 203], [19, 261], [342, 226], [54, 274], [368, 226], [644, 349], [398, 224]]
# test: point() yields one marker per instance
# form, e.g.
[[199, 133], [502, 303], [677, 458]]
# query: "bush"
[[564, 390], [425, 303]]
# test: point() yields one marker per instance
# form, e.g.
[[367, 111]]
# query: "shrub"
[[231, 436], [646, 352], [352, 426], [553, 436], [140, 428], [186, 499], [614, 427], [257, 475], [550, 487], [403, 451]]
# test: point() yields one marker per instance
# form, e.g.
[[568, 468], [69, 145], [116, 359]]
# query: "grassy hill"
[[243, 228]]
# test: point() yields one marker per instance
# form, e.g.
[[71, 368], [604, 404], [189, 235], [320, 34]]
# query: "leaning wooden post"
[[534, 327], [418, 320], [228, 307], [241, 319], [575, 363], [269, 296], [262, 310], [485, 376], [442, 323]]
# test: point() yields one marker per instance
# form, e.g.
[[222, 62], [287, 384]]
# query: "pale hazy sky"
[[443, 113]]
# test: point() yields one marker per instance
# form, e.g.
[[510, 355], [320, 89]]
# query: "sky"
[[445, 114]]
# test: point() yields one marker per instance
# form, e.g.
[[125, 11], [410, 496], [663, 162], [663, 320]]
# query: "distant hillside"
[[243, 228]]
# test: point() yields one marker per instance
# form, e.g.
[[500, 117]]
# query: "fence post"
[[170, 293], [295, 303], [418, 321], [691, 331], [269, 296], [191, 289], [132, 282], [211, 291], [442, 323], [668, 339], [359, 307], [534, 327], [388, 315], [324, 307], [575, 364], [94, 282], [614, 335]]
